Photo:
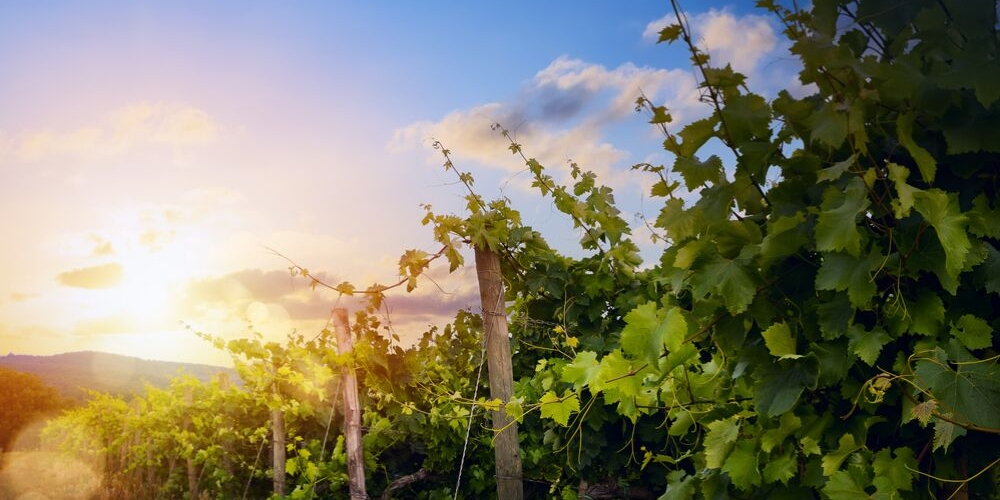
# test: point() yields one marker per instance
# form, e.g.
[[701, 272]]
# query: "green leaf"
[[729, 280], [927, 314], [583, 371], [640, 336], [670, 33], [699, 173], [773, 438], [923, 412], [677, 488], [649, 330], [903, 203], [867, 344], [990, 270], [925, 162], [742, 466], [559, 409], [946, 433], [940, 210], [719, 441], [779, 341], [828, 126], [680, 224], [836, 226], [781, 468], [843, 486], [894, 474], [780, 384], [785, 237], [972, 332], [831, 461], [983, 220], [619, 377], [834, 316], [695, 135], [971, 391], [747, 117], [834, 172], [514, 409], [842, 272]]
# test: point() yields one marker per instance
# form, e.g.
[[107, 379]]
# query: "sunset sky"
[[151, 153]]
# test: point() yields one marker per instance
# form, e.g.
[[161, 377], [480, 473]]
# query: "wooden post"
[[507, 452], [352, 409], [278, 450]]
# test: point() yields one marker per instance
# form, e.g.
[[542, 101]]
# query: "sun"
[[138, 315]]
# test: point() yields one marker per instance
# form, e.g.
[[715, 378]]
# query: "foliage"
[[24, 400], [820, 322]]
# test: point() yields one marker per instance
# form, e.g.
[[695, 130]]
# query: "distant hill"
[[73, 373]]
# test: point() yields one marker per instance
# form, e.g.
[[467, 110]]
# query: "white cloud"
[[567, 111], [121, 131], [743, 42]]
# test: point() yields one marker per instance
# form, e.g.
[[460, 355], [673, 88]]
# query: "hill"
[[73, 373]]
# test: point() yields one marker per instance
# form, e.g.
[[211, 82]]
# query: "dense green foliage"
[[821, 322], [24, 400]]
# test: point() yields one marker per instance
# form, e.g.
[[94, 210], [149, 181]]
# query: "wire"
[[472, 412]]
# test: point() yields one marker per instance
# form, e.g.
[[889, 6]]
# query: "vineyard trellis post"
[[352, 409], [507, 452]]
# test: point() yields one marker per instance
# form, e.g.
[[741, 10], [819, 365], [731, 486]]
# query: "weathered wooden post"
[[352, 409], [507, 452]]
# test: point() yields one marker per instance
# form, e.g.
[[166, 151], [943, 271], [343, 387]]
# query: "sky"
[[155, 155]]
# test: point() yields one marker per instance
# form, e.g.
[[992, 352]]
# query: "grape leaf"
[[972, 332], [867, 344], [719, 441], [780, 384], [649, 330], [926, 314], [772, 438], [843, 486], [946, 433], [583, 371], [677, 488], [781, 468], [903, 203], [640, 336], [779, 341], [836, 226], [784, 237], [893, 474], [983, 220], [730, 280], [836, 170], [698, 173], [619, 377], [742, 466], [924, 411], [941, 211], [559, 409], [695, 135], [925, 162], [828, 126], [990, 270], [832, 460], [747, 117], [971, 391], [843, 272]]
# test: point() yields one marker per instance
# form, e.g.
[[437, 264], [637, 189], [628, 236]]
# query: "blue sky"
[[150, 152]]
